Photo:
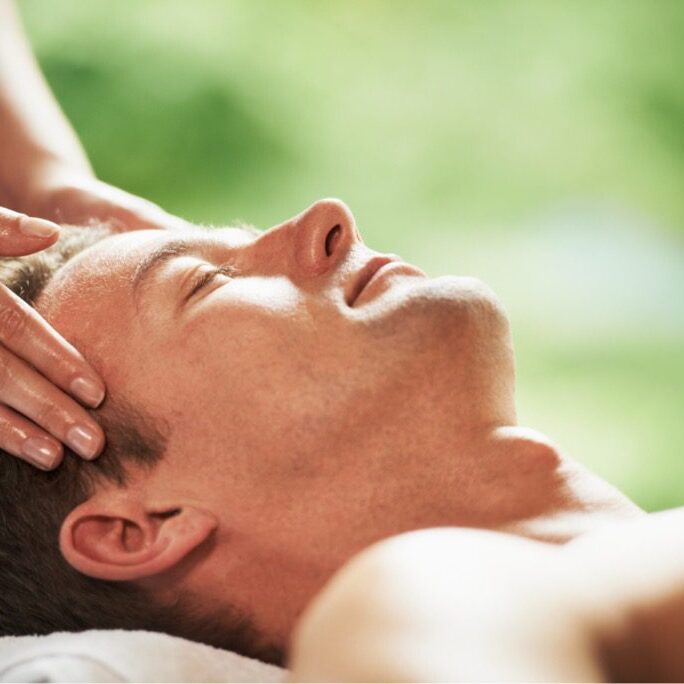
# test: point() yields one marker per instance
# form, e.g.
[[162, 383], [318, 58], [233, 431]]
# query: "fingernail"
[[84, 441], [41, 452], [88, 390], [35, 227]]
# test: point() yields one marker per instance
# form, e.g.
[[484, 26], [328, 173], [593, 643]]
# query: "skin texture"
[[302, 429]]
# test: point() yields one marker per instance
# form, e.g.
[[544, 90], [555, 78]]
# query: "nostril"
[[332, 239]]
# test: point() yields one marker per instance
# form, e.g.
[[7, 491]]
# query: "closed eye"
[[208, 276]]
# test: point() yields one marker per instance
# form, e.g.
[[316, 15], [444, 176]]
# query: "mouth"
[[365, 274], [373, 272]]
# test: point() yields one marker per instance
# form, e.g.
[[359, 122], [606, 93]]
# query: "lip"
[[365, 274], [374, 271]]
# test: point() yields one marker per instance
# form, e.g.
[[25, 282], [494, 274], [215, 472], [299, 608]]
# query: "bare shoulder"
[[632, 590], [432, 604], [437, 604]]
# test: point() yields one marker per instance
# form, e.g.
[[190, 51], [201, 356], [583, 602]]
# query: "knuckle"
[[12, 431], [51, 417], [6, 374], [12, 322], [7, 433], [9, 225], [57, 360]]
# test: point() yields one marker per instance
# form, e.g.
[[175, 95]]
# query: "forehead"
[[94, 290], [128, 257]]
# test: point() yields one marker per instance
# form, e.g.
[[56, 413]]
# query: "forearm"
[[34, 132]]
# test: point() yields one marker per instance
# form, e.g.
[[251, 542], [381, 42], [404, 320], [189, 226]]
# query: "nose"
[[322, 235]]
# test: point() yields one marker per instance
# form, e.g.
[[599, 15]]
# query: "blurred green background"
[[536, 145]]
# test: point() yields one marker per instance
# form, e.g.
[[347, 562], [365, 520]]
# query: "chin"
[[465, 289], [473, 314], [447, 318], [453, 297], [445, 344]]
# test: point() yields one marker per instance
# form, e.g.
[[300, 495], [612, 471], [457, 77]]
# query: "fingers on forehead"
[[24, 390], [25, 333], [21, 438]]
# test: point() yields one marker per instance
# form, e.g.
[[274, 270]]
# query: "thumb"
[[21, 234]]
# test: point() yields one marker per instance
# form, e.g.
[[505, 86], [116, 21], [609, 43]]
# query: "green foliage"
[[455, 130]]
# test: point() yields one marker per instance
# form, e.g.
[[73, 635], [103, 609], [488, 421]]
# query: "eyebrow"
[[165, 253], [157, 258]]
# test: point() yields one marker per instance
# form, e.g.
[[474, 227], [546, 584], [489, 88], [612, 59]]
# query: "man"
[[289, 398], [266, 420]]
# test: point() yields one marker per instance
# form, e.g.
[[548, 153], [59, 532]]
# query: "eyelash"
[[206, 277]]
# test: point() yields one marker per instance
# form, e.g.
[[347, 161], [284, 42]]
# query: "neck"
[[514, 481]]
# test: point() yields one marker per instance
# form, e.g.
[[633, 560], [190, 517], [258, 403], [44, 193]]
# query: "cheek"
[[268, 296], [251, 318], [227, 359]]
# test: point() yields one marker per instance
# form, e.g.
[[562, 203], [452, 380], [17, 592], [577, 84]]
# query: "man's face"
[[311, 417]]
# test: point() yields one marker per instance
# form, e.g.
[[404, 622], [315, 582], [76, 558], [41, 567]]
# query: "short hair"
[[39, 591]]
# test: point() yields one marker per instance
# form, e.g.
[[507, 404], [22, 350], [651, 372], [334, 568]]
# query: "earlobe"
[[120, 540]]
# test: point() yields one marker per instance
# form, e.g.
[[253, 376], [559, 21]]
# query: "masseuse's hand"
[[42, 377], [61, 195]]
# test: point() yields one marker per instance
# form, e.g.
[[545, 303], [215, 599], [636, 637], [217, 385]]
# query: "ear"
[[114, 538]]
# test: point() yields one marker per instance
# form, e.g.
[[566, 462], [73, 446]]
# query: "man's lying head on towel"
[[271, 411]]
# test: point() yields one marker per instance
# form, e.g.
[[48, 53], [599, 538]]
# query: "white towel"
[[124, 656]]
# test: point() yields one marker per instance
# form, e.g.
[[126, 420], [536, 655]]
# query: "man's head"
[[39, 591], [308, 412]]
